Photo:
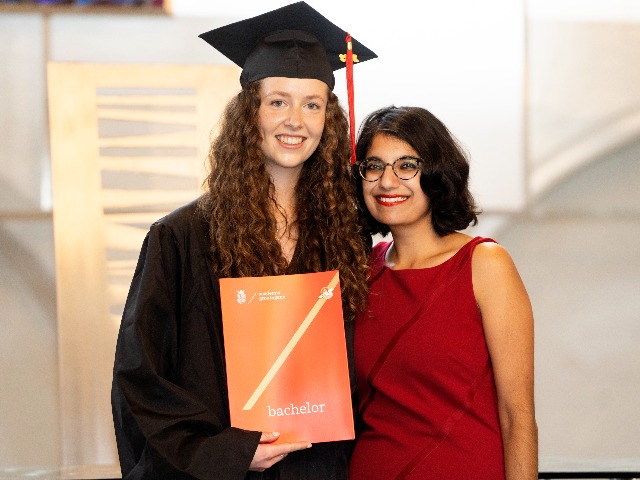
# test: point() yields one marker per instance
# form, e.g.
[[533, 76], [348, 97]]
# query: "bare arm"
[[508, 327]]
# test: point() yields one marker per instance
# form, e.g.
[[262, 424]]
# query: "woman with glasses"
[[444, 350]]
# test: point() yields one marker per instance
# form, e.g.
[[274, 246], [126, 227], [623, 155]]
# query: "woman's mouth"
[[287, 140], [390, 200]]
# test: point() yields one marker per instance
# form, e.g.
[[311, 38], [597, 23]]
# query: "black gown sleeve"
[[169, 394]]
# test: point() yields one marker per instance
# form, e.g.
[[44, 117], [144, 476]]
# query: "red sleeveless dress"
[[427, 394]]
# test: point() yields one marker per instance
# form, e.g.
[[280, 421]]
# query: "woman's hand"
[[267, 455]]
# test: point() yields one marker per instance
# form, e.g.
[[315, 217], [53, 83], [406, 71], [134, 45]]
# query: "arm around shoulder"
[[507, 319]]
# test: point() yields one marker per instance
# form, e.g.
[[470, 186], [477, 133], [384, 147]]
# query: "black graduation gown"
[[169, 391]]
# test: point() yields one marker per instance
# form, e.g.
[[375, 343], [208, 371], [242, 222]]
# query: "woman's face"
[[291, 120], [390, 200]]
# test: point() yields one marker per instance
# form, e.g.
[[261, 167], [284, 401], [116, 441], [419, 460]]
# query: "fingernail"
[[309, 446], [276, 434]]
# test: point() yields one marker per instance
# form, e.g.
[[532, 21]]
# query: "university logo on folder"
[[286, 356]]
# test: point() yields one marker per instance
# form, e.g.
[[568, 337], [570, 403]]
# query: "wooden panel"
[[128, 145]]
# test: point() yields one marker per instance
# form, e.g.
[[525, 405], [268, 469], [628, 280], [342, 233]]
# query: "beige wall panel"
[[110, 125]]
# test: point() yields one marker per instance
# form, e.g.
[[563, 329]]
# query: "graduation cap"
[[294, 41]]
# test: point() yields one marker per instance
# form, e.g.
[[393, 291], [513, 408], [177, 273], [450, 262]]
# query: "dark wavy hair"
[[445, 172], [240, 200]]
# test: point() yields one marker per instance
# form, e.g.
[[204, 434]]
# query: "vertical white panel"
[[22, 103]]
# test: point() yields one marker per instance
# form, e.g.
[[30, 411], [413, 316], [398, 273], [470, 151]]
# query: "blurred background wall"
[[543, 94]]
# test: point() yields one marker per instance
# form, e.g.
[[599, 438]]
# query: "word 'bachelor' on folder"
[[286, 356]]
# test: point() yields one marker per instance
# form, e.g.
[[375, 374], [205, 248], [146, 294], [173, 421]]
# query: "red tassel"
[[352, 126]]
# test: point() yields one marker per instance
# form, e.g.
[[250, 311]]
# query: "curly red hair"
[[240, 199]]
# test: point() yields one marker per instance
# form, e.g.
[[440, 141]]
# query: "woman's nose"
[[294, 119], [388, 178]]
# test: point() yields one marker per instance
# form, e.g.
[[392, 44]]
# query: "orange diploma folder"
[[286, 356]]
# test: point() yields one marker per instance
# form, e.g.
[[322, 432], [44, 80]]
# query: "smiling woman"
[[392, 200], [291, 116], [277, 202], [444, 350]]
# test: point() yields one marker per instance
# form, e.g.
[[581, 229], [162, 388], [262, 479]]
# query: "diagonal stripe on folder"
[[289, 347]]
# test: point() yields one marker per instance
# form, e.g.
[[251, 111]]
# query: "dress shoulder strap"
[[477, 240], [465, 253]]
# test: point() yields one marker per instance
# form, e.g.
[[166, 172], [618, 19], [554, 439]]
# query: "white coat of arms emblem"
[[242, 297]]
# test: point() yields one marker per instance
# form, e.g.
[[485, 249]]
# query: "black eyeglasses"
[[405, 168]]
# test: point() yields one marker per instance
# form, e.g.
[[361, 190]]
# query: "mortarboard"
[[294, 41]]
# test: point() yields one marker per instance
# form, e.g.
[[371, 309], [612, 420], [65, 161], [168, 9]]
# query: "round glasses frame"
[[362, 168]]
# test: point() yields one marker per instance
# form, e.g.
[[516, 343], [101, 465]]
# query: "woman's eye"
[[277, 103], [409, 165], [374, 166]]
